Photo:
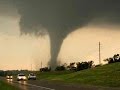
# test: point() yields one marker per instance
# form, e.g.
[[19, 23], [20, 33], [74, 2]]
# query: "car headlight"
[[24, 77], [18, 77]]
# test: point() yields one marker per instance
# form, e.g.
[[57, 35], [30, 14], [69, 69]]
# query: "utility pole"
[[41, 64], [99, 53], [31, 67]]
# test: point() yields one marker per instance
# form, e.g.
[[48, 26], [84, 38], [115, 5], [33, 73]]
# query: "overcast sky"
[[80, 44]]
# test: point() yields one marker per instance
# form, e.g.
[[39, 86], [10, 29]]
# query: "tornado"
[[57, 16], [61, 17]]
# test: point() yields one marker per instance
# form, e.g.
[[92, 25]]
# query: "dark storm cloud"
[[7, 8], [60, 17]]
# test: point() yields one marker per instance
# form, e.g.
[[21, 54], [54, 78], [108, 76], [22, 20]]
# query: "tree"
[[72, 66], [60, 68], [115, 58], [45, 69], [109, 60], [84, 65]]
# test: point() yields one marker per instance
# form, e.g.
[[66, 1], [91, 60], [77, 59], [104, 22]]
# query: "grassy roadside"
[[6, 86], [107, 75]]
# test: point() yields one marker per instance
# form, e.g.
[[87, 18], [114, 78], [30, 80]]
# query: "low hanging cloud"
[[60, 17]]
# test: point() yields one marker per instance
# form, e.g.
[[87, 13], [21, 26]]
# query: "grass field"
[[107, 75], [6, 86]]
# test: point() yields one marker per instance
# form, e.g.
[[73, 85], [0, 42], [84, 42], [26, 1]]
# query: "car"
[[21, 76], [9, 77], [31, 76]]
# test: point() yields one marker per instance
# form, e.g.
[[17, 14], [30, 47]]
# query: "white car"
[[21, 76], [31, 76]]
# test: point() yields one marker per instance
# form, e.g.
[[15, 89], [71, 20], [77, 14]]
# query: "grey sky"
[[60, 17]]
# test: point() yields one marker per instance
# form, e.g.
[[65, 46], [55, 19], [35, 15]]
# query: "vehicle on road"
[[31, 76], [9, 77], [21, 76]]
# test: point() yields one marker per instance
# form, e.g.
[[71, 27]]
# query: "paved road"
[[24, 85], [44, 85]]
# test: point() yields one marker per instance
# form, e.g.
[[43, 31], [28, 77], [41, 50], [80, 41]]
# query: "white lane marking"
[[34, 85], [40, 87]]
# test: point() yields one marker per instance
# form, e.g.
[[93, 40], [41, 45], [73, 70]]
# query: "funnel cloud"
[[60, 17]]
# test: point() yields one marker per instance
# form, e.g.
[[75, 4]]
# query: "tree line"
[[77, 66], [115, 58], [71, 67]]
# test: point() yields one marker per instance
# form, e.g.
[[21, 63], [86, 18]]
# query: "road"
[[45, 85]]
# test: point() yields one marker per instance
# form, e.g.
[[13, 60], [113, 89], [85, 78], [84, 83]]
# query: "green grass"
[[6, 86], [107, 75]]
